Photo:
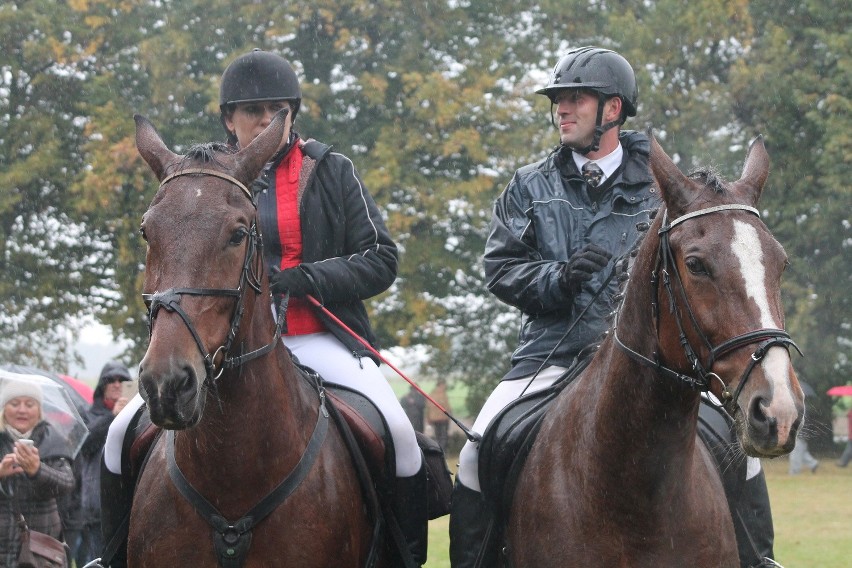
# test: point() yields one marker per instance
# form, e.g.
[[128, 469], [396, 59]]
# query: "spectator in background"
[[34, 470], [71, 513], [435, 417], [414, 405], [108, 402], [800, 456], [846, 457]]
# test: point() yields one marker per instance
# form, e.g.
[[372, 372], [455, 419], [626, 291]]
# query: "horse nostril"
[[759, 421], [184, 381]]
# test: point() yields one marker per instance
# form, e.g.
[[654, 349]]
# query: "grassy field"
[[812, 513]]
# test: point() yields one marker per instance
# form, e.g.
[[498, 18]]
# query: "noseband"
[[170, 299], [666, 268]]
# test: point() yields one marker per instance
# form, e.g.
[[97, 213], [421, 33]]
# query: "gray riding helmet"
[[596, 69]]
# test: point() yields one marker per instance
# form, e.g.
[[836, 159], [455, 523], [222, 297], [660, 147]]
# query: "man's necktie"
[[593, 174]]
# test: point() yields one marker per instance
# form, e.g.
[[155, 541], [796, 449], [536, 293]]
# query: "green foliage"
[[54, 268], [794, 87]]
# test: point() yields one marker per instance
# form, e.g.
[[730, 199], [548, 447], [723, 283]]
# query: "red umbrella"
[[842, 390], [85, 390]]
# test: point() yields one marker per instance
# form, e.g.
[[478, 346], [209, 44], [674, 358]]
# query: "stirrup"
[[96, 563]]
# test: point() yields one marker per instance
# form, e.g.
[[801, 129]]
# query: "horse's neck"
[[262, 411], [643, 416]]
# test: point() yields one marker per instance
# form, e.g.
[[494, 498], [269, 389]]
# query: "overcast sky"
[[96, 346]]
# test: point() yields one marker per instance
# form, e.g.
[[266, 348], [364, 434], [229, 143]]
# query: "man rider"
[[555, 229]]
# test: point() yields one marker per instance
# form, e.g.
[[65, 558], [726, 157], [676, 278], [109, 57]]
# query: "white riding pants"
[[325, 354], [117, 430], [329, 357], [505, 393]]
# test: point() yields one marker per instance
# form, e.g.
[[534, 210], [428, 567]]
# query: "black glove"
[[581, 266], [293, 279]]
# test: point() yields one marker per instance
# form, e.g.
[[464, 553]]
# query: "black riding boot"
[[410, 509], [116, 500], [471, 526]]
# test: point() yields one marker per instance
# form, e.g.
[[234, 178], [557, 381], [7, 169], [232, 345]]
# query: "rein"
[[170, 299], [764, 338]]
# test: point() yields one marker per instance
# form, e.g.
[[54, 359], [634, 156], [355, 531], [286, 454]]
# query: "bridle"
[[666, 268], [249, 278]]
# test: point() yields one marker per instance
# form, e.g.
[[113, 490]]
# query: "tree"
[[794, 87], [54, 268], [436, 114]]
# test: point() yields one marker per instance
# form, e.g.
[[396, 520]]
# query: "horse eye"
[[142, 234], [695, 266], [239, 236]]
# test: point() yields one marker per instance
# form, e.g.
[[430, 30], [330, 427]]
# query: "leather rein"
[[666, 269]]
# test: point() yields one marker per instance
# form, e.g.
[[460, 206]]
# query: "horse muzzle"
[[173, 395], [771, 410]]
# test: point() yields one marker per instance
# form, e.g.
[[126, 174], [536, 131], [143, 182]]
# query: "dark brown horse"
[[251, 443], [617, 476]]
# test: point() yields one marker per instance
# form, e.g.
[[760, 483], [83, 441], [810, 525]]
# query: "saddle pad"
[[369, 428], [507, 441]]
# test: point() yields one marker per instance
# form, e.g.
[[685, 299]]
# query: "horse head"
[[718, 305], [203, 257]]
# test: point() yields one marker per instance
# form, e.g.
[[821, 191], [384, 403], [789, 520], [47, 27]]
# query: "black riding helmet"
[[258, 76], [600, 70]]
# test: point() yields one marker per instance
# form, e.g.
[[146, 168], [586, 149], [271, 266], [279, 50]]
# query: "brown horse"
[[250, 455], [616, 476]]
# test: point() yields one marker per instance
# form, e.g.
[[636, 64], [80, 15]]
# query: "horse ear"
[[251, 159], [151, 147], [755, 171], [674, 186]]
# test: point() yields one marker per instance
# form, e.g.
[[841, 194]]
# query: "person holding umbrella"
[[35, 467], [846, 456]]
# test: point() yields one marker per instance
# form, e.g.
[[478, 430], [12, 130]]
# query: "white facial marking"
[[198, 192], [746, 247]]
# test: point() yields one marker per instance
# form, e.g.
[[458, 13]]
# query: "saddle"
[[509, 437]]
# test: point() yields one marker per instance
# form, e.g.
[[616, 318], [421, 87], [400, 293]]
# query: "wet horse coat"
[[616, 476], [216, 375]]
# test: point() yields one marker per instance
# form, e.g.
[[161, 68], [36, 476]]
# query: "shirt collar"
[[608, 163]]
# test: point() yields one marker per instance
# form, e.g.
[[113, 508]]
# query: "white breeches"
[[326, 355], [115, 436], [500, 398]]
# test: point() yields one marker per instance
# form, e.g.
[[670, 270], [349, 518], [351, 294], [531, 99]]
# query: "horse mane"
[[206, 153], [708, 176], [623, 271]]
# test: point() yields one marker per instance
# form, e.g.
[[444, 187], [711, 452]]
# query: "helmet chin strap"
[[599, 128]]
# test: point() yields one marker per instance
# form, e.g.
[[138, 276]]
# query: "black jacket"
[[34, 497], [544, 216], [98, 420], [347, 252]]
